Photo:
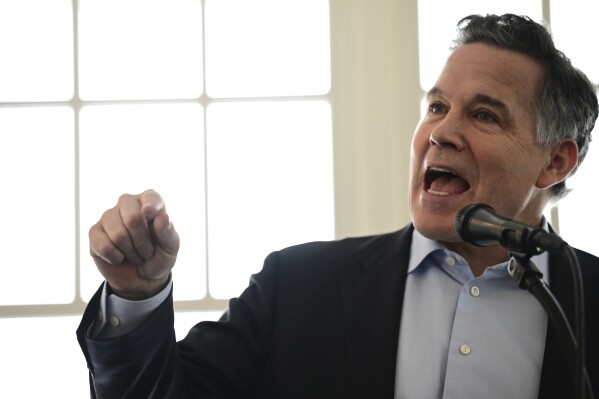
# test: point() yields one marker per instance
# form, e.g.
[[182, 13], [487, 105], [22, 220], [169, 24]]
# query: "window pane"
[[267, 47], [578, 211], [37, 240], [130, 148], [36, 43], [140, 49], [270, 184], [437, 22], [52, 356], [573, 22], [41, 359]]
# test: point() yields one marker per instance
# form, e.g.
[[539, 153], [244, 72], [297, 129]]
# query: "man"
[[413, 314]]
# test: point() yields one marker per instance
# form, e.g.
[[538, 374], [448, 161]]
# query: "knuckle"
[[106, 214], [149, 192], [92, 231], [124, 198]]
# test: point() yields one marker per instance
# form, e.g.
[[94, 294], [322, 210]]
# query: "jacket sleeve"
[[220, 359], [140, 364]]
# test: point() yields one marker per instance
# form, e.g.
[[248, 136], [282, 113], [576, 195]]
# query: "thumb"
[[167, 238], [151, 204]]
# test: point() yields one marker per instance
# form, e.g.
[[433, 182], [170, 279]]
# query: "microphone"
[[480, 225]]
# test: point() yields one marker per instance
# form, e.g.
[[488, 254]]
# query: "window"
[[220, 105], [578, 211], [222, 146], [438, 28]]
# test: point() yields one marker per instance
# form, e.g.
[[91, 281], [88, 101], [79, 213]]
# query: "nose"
[[449, 132]]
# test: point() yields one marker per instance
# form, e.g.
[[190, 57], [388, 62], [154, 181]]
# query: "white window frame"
[[369, 194], [375, 99]]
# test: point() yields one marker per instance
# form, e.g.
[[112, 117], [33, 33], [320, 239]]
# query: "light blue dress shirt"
[[463, 337]]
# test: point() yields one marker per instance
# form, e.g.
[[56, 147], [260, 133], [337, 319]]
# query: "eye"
[[436, 108], [485, 116]]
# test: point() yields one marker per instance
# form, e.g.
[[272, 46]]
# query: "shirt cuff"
[[118, 316]]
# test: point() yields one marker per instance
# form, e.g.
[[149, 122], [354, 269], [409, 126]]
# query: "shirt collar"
[[421, 247]]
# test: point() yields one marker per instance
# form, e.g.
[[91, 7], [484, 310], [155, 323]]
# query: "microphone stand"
[[528, 277]]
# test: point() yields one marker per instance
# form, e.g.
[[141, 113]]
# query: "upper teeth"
[[435, 169]]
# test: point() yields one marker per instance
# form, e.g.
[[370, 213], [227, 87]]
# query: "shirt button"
[[474, 291], [465, 350], [450, 260], [114, 321]]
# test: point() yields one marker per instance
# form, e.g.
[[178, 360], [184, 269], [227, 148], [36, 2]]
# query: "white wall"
[[376, 97]]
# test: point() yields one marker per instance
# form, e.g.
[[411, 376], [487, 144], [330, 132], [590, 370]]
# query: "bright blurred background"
[[263, 123]]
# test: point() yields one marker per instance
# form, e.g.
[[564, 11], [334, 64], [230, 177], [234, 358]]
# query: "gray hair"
[[567, 103]]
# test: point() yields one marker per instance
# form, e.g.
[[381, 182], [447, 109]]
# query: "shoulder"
[[587, 257], [348, 247], [344, 255], [589, 265]]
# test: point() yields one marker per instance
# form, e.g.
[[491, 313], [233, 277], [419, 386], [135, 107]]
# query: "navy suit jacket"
[[321, 320]]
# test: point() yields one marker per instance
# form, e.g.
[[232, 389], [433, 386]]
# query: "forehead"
[[482, 70]]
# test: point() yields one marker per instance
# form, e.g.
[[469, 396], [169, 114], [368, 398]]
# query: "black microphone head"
[[462, 219], [480, 225]]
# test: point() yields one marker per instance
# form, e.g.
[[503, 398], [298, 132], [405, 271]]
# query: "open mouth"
[[440, 181]]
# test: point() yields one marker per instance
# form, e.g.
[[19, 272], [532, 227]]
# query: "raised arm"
[[134, 247]]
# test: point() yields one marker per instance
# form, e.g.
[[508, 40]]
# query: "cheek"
[[418, 150], [419, 145], [524, 163], [510, 174]]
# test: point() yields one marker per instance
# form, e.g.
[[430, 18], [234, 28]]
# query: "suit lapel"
[[372, 301]]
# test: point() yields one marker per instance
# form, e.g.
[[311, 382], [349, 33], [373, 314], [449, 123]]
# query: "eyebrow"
[[484, 99], [478, 98], [435, 91]]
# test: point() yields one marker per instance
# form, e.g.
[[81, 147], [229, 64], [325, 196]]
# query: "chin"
[[436, 227]]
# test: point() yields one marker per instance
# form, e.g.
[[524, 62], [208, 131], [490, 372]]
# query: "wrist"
[[147, 289]]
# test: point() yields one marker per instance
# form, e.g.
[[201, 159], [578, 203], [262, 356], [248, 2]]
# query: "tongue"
[[448, 184]]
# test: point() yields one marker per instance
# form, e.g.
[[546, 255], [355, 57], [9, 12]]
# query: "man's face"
[[476, 142]]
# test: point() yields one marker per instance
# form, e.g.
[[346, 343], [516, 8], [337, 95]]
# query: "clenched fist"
[[134, 245]]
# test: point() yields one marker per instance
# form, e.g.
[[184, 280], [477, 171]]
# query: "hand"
[[134, 245]]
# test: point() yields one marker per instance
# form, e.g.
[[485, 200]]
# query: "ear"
[[564, 158]]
